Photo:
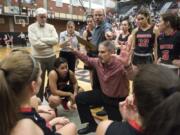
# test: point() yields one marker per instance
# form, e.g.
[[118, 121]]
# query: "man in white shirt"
[[42, 37]]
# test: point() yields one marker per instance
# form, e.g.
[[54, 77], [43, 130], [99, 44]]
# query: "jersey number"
[[165, 55]]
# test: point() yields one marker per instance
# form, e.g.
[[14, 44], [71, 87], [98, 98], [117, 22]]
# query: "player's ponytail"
[[173, 20], [8, 113], [165, 118], [177, 22]]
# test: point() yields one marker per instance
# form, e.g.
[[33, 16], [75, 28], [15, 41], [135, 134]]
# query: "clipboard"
[[85, 43], [63, 45]]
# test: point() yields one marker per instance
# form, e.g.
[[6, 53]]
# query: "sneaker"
[[101, 113], [64, 104], [88, 129], [94, 106]]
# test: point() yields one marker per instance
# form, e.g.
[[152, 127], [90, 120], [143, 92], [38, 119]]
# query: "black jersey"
[[144, 41], [63, 81], [89, 35], [31, 113], [169, 47], [122, 128], [123, 40]]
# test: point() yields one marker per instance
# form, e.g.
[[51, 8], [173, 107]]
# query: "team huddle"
[[146, 54]]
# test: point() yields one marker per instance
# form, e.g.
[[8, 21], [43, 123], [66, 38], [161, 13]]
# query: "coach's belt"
[[142, 54]]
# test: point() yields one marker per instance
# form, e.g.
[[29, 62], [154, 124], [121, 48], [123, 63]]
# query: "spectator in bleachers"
[[8, 39], [115, 29], [1, 41], [109, 17]]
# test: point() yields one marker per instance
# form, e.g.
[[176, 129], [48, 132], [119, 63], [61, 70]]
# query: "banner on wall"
[[94, 3], [15, 1], [75, 3], [9, 2], [28, 1], [11, 9], [59, 3]]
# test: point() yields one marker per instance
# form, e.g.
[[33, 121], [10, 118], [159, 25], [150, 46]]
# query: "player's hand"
[[159, 61], [59, 120], [72, 98], [69, 47], [125, 55], [128, 109], [109, 35]]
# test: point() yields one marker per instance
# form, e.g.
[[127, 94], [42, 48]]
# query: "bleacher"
[[125, 8]]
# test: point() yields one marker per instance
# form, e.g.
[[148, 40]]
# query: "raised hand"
[[125, 55], [59, 120], [158, 61], [69, 47], [66, 43], [71, 106], [109, 35], [72, 98], [128, 109]]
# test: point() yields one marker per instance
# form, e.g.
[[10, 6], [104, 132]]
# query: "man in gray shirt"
[[102, 30]]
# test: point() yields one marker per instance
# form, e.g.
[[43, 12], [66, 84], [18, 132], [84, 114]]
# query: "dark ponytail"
[[165, 119], [17, 71], [59, 61], [8, 113], [173, 20], [177, 22], [152, 86]]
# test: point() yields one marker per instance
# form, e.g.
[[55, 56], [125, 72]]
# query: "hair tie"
[[33, 70]]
